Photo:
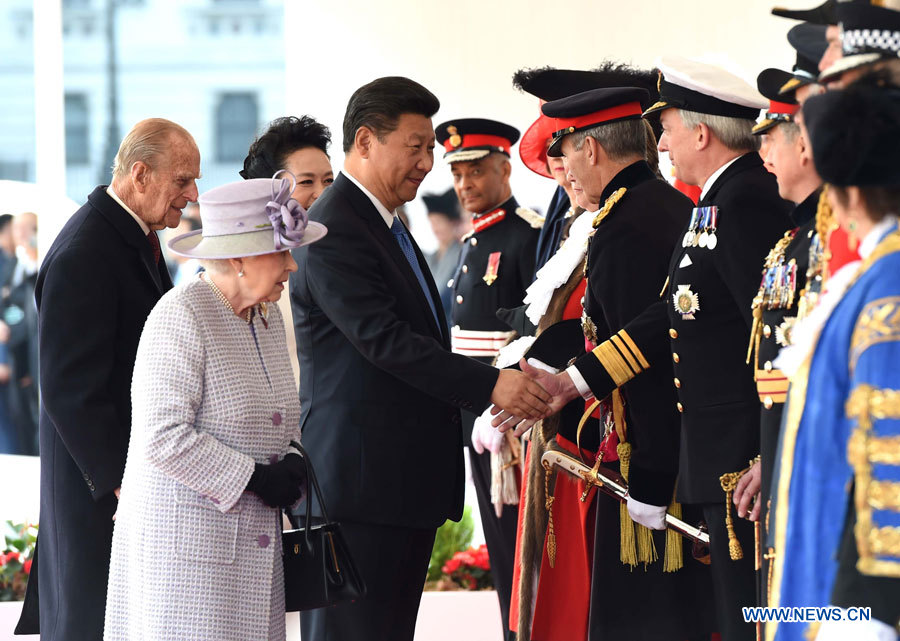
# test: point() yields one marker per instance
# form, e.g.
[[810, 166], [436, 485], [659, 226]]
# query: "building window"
[[76, 129], [236, 117]]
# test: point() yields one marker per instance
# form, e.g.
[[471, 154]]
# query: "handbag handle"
[[313, 484]]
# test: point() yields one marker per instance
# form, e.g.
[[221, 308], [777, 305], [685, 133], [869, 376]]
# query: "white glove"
[[484, 435], [542, 365], [872, 630], [651, 516]]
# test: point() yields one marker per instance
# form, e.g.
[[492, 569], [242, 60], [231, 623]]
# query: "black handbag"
[[318, 568]]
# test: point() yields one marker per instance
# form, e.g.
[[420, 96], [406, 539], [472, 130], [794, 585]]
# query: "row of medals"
[[702, 230]]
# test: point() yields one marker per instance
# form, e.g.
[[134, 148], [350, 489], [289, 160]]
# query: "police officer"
[[496, 266], [700, 325]]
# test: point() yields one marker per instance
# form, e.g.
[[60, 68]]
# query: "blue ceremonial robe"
[[841, 435]]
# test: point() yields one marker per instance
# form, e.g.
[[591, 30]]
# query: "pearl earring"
[[241, 274]]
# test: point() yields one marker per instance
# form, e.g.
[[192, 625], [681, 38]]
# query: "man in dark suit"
[[380, 389], [699, 326], [97, 285]]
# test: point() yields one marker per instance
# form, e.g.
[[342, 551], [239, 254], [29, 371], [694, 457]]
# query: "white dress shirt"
[[114, 196]]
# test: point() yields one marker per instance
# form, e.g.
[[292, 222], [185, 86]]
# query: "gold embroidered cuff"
[[621, 358]]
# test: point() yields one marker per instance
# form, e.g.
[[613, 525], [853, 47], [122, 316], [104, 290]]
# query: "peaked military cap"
[[855, 134], [823, 14], [549, 84], [809, 41], [591, 108], [704, 88], [468, 139], [781, 108], [870, 31]]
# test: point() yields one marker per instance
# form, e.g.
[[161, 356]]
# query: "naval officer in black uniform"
[[701, 323], [783, 282], [640, 221], [496, 266]]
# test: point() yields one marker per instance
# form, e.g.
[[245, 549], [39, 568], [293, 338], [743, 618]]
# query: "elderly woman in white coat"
[[197, 544]]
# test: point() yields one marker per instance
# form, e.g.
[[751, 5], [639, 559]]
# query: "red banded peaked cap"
[[466, 139], [591, 108]]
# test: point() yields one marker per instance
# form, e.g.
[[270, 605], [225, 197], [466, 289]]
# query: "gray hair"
[[790, 130], [146, 142], [734, 133], [218, 266], [620, 140]]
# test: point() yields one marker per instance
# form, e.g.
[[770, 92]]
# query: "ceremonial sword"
[[611, 483]]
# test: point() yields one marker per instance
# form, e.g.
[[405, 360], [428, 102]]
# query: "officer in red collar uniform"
[[496, 266]]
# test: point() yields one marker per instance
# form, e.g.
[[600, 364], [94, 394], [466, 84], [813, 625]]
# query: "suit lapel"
[[131, 233], [367, 211], [743, 163]]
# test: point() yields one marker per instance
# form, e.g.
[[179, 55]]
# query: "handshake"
[[521, 399], [541, 391]]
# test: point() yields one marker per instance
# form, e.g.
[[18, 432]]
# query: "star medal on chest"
[[783, 331], [493, 265], [687, 303]]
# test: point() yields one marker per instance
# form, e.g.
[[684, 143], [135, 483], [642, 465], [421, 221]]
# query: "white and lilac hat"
[[249, 218]]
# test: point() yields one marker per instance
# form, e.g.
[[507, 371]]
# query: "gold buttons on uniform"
[[474, 241], [768, 366], [680, 407], [767, 331], [673, 333], [768, 402], [450, 283], [465, 269], [459, 299], [677, 383], [675, 357]]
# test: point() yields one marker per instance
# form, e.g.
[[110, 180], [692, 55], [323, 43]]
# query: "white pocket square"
[[686, 261]]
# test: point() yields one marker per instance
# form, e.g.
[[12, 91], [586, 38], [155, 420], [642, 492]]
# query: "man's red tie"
[[154, 245]]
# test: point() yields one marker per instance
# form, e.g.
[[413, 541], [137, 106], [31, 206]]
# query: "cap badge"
[[455, 138]]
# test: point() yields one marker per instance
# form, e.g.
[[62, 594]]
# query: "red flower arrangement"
[[470, 569], [17, 545]]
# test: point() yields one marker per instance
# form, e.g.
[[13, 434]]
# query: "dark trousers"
[[734, 582], [499, 534], [393, 562]]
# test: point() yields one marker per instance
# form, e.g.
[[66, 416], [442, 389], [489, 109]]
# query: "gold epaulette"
[[530, 216], [614, 197]]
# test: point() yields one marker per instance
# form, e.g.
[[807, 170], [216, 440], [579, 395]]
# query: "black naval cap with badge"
[[467, 139], [692, 85], [870, 33], [810, 42], [593, 108]]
